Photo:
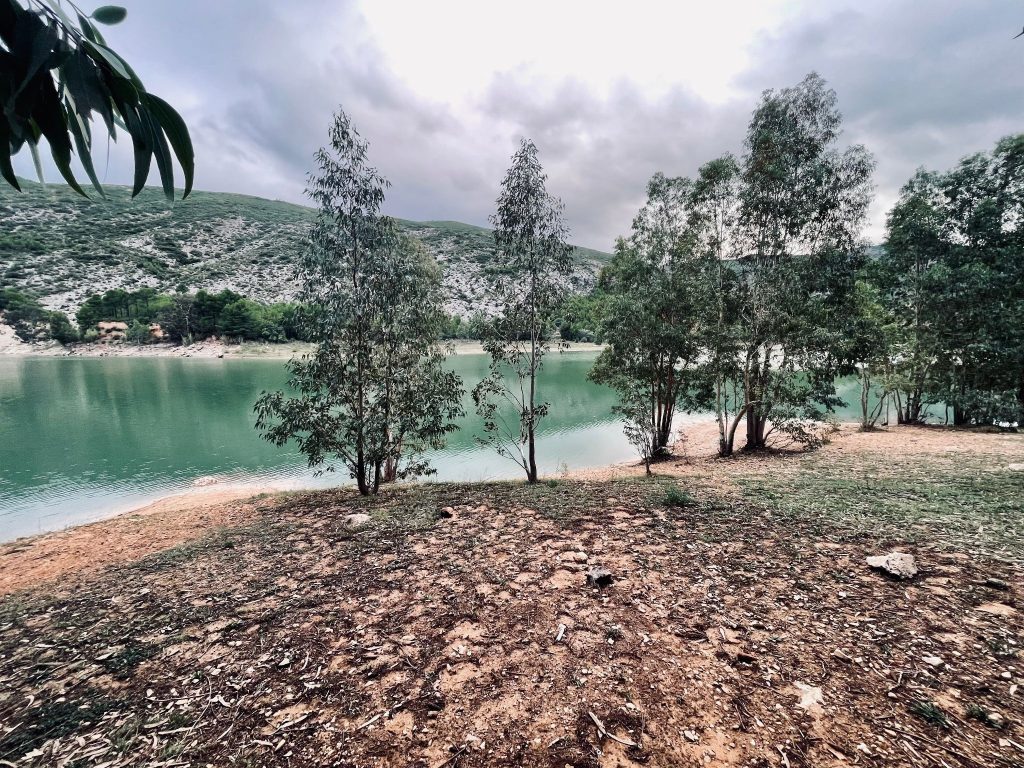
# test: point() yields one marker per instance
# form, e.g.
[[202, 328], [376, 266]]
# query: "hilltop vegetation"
[[62, 248]]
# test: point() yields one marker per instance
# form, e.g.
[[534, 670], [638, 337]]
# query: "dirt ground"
[[454, 625]]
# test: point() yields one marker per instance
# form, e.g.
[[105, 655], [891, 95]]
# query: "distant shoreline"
[[203, 349]]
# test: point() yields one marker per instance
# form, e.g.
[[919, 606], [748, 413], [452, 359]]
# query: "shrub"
[[677, 497]]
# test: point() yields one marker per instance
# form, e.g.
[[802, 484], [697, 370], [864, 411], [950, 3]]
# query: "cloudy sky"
[[610, 92]]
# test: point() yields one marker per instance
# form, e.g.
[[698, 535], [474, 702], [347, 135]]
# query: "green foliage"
[[652, 308], [61, 329], [374, 393], [24, 313], [56, 72], [952, 271], [929, 712], [138, 333], [678, 497], [733, 291], [184, 317], [533, 261]]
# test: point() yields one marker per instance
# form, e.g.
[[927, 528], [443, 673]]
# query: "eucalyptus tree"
[[953, 271], [653, 306], [532, 263], [910, 273], [374, 393], [714, 232], [802, 204], [56, 72]]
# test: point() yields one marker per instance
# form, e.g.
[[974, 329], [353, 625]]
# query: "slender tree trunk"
[[531, 471], [721, 416], [865, 391]]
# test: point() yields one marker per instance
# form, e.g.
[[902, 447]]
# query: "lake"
[[83, 438]]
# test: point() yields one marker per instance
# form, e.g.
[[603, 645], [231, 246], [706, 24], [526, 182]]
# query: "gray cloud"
[[919, 84]]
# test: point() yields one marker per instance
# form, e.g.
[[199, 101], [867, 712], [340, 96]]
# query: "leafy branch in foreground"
[[534, 260], [55, 72], [374, 392]]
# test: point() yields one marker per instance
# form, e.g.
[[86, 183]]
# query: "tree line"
[[744, 291], [747, 290], [183, 318]]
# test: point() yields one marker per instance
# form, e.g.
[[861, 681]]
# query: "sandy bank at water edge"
[[11, 345]]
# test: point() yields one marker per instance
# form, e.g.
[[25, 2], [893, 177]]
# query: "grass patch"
[[678, 497], [929, 712], [975, 506]]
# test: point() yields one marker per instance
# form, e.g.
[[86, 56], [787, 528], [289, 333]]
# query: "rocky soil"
[[454, 626]]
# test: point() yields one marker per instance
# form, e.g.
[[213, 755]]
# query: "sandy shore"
[[11, 345], [126, 537]]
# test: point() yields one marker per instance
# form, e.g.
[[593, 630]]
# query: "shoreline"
[[179, 517], [209, 350]]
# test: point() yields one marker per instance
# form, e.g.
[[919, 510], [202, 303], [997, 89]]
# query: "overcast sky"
[[610, 92]]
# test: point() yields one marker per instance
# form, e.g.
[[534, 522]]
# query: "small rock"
[[997, 584], [356, 520], [811, 698], [899, 565], [691, 736], [446, 512], [999, 609], [933, 661], [599, 577], [1017, 467]]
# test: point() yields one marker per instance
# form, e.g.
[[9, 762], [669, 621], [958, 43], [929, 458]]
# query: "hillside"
[[63, 247]]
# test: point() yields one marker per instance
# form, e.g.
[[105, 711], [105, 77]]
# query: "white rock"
[[811, 698], [933, 661], [899, 565], [357, 520]]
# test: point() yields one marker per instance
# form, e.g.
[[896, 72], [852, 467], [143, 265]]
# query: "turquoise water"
[[84, 438], [81, 439]]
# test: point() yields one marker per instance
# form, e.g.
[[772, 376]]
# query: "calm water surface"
[[84, 438]]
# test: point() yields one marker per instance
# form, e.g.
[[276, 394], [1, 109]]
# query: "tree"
[[176, 319], [653, 304], [871, 336], [532, 260], [952, 267], [715, 238], [55, 72], [374, 392], [61, 329], [237, 321], [138, 333], [908, 269], [802, 204]]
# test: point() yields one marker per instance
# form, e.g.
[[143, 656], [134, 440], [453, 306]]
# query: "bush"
[[138, 333], [677, 497], [61, 329]]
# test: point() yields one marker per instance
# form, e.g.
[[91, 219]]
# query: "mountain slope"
[[63, 247]]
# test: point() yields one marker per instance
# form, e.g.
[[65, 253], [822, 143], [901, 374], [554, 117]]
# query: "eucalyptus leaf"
[[109, 14]]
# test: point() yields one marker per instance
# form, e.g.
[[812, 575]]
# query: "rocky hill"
[[63, 248]]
